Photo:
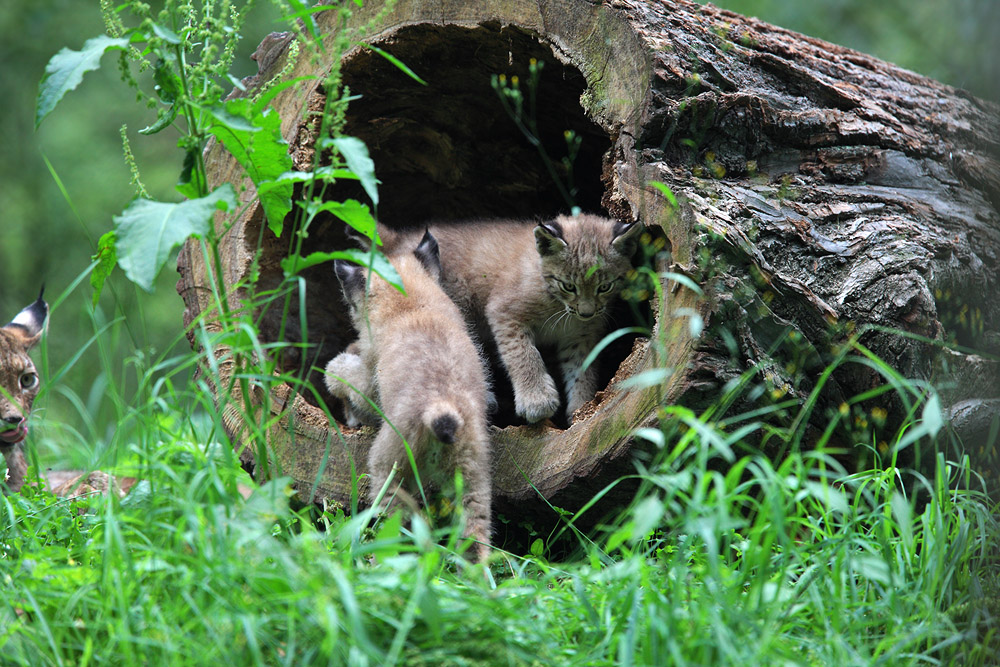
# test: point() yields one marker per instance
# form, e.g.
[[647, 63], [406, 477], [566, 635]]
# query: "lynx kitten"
[[415, 357], [545, 284], [18, 386]]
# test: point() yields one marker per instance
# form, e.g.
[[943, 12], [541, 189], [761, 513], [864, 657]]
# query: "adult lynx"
[[414, 356], [527, 285], [18, 386]]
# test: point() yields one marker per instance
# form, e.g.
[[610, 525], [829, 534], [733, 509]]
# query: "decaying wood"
[[830, 189]]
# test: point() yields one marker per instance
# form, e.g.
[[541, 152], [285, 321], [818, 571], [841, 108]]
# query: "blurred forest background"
[[50, 230]]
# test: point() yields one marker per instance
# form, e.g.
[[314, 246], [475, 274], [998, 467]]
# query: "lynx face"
[[18, 385], [584, 262]]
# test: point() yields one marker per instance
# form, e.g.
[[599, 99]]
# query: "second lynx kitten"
[[527, 284], [415, 357]]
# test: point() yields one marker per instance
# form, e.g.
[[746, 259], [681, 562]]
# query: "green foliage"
[[187, 61], [355, 154], [374, 261], [816, 564], [260, 148], [725, 556], [66, 69], [148, 231]]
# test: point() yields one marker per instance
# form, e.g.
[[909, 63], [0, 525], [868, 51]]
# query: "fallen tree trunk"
[[824, 190]]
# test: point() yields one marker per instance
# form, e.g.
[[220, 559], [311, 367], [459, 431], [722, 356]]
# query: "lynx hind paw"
[[538, 405]]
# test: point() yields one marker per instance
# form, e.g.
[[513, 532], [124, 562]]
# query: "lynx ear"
[[350, 275], [30, 322], [549, 238], [625, 235], [429, 253]]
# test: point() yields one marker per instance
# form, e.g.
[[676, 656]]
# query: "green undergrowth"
[[724, 557]]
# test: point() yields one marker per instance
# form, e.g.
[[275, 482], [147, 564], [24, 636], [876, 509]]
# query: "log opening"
[[837, 190], [448, 150]]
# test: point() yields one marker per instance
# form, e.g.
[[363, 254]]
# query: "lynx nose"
[[12, 422]]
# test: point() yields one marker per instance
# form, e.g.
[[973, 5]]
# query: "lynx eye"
[[28, 381], [566, 287], [605, 287]]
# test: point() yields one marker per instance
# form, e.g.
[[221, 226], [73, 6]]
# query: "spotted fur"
[[527, 285]]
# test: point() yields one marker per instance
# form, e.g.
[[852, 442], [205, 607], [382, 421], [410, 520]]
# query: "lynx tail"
[[443, 420]]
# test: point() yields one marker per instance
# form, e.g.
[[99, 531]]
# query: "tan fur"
[[414, 355], [498, 274], [18, 386], [349, 379]]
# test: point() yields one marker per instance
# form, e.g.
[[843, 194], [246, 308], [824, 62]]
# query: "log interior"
[[449, 151]]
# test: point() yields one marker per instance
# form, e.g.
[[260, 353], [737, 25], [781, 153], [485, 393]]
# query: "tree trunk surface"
[[822, 190]]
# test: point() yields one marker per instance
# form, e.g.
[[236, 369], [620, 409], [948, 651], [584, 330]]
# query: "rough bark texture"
[[825, 190]]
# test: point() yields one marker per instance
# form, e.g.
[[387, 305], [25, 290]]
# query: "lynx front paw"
[[345, 368], [538, 403], [348, 378]]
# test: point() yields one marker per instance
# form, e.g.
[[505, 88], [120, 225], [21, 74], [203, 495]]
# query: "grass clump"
[[724, 557]]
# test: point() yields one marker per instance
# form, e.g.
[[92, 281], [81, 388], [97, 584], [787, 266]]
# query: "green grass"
[[724, 557]]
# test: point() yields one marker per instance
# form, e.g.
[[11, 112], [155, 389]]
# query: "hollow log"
[[821, 190]]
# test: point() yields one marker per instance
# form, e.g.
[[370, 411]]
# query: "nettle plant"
[[178, 61]]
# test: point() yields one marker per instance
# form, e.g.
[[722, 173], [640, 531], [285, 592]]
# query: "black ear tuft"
[[31, 321], [626, 236], [549, 238], [350, 275], [429, 253]]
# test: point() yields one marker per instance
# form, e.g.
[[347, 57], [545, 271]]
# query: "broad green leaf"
[[230, 120], [191, 182], [264, 100], [376, 261], [106, 258], [325, 174], [168, 84], [646, 516], [653, 435], [356, 156], [261, 151], [351, 211], [166, 34], [148, 231], [66, 69]]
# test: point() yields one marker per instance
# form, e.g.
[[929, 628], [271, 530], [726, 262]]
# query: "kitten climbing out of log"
[[415, 357], [18, 386], [527, 285]]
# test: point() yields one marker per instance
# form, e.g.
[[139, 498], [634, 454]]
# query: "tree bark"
[[822, 190]]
